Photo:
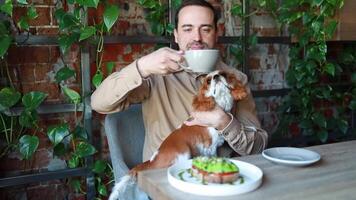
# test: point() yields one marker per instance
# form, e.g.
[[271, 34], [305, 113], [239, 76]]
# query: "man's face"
[[196, 28]]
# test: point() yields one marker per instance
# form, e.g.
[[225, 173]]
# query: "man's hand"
[[163, 61], [216, 118]]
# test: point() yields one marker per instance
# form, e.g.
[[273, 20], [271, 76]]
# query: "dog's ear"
[[203, 103], [238, 90]]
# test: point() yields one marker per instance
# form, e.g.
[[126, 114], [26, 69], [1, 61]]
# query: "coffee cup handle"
[[186, 68]]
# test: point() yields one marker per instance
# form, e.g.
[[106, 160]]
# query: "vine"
[[70, 144], [311, 24]]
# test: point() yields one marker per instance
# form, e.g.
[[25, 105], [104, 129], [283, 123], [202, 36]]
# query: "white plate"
[[291, 156], [252, 179]]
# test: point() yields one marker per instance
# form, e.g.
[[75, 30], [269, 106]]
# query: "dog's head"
[[219, 87]]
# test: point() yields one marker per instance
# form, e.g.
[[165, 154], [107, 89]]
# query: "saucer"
[[291, 156]]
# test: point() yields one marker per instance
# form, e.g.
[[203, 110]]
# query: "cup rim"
[[192, 50]]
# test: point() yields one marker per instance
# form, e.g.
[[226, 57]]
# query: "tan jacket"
[[167, 103]]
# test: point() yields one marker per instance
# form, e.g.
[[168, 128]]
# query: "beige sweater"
[[167, 103]]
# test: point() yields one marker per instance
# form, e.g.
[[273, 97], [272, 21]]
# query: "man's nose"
[[197, 35]]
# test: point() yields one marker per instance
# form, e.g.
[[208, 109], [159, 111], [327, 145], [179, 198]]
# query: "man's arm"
[[244, 133], [131, 84], [119, 90]]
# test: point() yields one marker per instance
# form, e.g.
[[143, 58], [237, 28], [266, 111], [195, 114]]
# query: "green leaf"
[[59, 150], [5, 42], [343, 126], [330, 29], [330, 69], [80, 133], [87, 32], [176, 3], [8, 98], [73, 96], [31, 13], [352, 105], [66, 41], [102, 189], [317, 2], [253, 40], [59, 13], [353, 77], [23, 23], [109, 67], [319, 119], [157, 28], [7, 7], [28, 145], [236, 10], [28, 118], [24, 2], [64, 74], [33, 99], [97, 79], [111, 14], [170, 28], [75, 184], [84, 149], [57, 133], [323, 135], [73, 162], [99, 166]]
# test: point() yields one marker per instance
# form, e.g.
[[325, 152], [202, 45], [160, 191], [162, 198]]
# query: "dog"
[[219, 88]]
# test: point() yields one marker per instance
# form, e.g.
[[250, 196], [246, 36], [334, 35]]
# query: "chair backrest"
[[126, 134]]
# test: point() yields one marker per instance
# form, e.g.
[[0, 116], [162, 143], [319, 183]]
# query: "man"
[[166, 90]]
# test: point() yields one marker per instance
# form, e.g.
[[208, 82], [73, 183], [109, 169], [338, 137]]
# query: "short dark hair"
[[202, 3]]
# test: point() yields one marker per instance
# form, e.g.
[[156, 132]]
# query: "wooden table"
[[333, 177]]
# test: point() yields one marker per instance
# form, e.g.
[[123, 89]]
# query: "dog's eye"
[[208, 80], [224, 74]]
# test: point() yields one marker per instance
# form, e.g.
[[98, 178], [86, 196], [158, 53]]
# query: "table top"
[[333, 177]]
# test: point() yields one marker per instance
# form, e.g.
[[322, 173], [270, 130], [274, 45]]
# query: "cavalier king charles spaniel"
[[219, 88]]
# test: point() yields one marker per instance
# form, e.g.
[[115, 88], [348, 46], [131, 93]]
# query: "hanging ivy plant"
[[311, 24]]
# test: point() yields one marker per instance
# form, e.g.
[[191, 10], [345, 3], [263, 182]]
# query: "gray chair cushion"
[[125, 133]]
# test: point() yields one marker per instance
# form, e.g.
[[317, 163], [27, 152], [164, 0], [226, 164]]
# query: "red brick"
[[47, 31], [54, 192], [111, 51], [49, 88], [44, 17], [266, 31], [54, 54], [253, 63], [28, 54], [41, 159], [14, 74], [41, 71], [42, 2], [11, 164], [26, 73]]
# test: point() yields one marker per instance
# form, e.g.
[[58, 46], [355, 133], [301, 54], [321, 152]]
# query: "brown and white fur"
[[219, 88]]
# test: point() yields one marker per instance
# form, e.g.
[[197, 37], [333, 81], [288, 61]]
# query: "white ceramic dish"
[[291, 156], [179, 178]]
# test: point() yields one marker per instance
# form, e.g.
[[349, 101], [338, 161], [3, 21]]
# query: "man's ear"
[[203, 103], [175, 32]]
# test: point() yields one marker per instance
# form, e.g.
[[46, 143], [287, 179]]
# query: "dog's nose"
[[216, 77]]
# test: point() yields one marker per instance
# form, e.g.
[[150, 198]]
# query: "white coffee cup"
[[201, 60]]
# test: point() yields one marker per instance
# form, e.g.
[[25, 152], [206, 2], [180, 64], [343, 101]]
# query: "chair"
[[126, 134]]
